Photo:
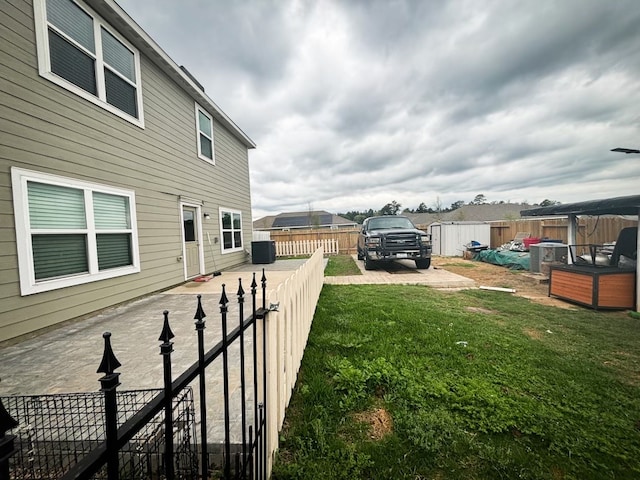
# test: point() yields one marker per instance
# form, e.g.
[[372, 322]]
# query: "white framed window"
[[70, 232], [231, 230], [80, 52], [204, 131]]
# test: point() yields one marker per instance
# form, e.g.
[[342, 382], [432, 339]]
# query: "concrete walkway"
[[65, 359], [403, 272]]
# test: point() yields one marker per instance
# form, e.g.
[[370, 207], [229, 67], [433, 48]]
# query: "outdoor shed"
[[449, 238], [611, 206]]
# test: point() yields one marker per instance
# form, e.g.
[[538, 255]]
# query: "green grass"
[[538, 392], [341, 265]]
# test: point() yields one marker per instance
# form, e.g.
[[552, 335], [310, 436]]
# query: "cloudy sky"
[[354, 104]]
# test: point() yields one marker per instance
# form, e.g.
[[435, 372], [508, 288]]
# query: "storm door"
[[191, 244]]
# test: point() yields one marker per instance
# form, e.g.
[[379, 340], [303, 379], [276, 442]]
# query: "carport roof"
[[609, 206]]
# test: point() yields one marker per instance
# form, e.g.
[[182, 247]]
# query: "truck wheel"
[[360, 255], [368, 263], [423, 263]]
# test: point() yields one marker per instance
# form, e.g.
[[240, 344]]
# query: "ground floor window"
[[70, 232], [231, 229]]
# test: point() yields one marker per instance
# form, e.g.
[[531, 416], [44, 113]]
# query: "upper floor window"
[[204, 123], [71, 232], [231, 229], [80, 52]]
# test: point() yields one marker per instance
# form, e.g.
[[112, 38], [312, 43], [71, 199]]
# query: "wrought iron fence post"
[[262, 463], [166, 348], [109, 383], [264, 373], [250, 459], [242, 379], [255, 456], [200, 326], [225, 377]]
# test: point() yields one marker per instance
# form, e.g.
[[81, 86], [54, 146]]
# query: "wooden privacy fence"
[[591, 230], [346, 239], [306, 247]]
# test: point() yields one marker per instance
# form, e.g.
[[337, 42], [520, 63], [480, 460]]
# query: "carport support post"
[[638, 269], [572, 233]]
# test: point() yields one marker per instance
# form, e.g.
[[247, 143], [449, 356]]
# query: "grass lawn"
[[341, 265], [410, 382]]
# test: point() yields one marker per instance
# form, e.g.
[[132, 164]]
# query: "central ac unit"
[[546, 253]]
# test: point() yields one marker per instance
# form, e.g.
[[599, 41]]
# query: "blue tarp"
[[506, 258]]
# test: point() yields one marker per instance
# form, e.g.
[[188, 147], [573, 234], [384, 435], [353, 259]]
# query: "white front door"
[[191, 228]]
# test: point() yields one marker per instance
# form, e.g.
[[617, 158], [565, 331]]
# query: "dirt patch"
[[379, 422], [526, 285], [532, 334]]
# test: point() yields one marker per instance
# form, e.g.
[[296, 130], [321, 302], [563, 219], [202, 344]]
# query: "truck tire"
[[360, 255], [423, 263], [368, 263]]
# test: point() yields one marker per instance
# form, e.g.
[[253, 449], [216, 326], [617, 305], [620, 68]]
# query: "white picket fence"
[[287, 330], [306, 247]]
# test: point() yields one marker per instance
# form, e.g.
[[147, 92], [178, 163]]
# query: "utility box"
[[545, 254], [263, 251], [449, 239]]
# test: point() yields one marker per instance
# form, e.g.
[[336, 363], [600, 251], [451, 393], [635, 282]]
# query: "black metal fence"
[[145, 434], [56, 430]]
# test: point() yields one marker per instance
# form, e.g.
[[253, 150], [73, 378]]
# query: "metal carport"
[[610, 206]]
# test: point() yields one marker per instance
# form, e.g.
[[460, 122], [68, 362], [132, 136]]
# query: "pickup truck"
[[393, 237]]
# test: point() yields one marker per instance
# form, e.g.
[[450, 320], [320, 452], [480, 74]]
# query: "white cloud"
[[355, 104]]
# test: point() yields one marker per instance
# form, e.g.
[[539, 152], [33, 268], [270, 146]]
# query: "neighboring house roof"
[[127, 27], [473, 213], [317, 218]]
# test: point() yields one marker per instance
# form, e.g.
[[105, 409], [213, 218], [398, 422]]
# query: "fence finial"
[[109, 361], [166, 334], [200, 315], [254, 285], [240, 291], [223, 299]]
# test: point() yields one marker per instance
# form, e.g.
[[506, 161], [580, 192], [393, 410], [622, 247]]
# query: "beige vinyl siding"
[[48, 129]]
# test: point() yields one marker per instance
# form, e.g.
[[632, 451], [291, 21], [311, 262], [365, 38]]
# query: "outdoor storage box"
[[263, 251], [594, 286]]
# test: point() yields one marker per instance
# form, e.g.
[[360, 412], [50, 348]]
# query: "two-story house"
[[119, 176]]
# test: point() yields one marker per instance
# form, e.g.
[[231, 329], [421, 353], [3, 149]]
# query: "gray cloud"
[[354, 104]]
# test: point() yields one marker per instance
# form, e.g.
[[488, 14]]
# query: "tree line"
[[394, 208]]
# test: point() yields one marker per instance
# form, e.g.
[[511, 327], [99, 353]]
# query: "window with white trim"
[[204, 127], [70, 232], [231, 229], [80, 52]]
